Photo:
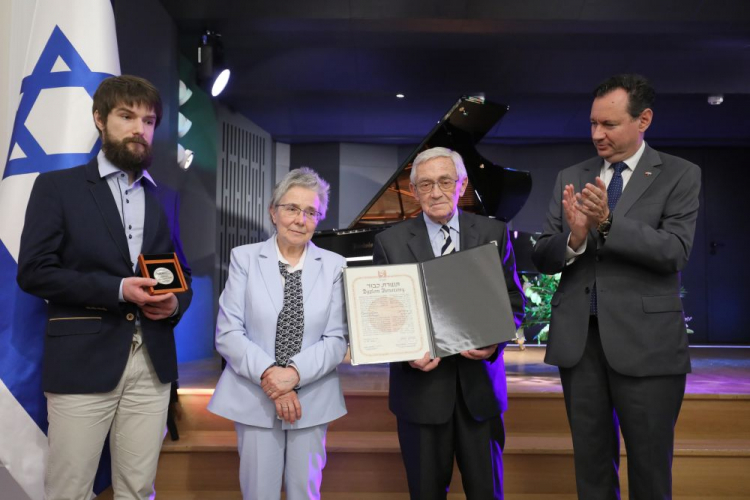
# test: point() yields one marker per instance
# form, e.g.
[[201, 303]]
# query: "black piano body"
[[493, 190]]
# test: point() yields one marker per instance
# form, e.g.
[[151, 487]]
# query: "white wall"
[[364, 168], [282, 160]]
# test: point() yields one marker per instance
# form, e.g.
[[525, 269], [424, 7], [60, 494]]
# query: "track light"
[[213, 73], [184, 157]]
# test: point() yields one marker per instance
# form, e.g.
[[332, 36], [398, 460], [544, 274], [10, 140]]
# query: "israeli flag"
[[72, 48]]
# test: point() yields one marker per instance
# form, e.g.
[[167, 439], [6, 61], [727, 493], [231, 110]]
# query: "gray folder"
[[468, 303]]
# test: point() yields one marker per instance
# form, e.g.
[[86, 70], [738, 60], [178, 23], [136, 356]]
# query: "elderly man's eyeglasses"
[[445, 184], [292, 211]]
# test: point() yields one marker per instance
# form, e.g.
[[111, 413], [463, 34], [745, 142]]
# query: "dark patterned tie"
[[448, 246], [291, 323], [614, 191]]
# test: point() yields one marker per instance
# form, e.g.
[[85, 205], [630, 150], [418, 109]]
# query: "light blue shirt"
[[437, 239], [131, 205]]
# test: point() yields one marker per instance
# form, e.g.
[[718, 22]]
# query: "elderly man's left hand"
[[277, 381], [480, 354]]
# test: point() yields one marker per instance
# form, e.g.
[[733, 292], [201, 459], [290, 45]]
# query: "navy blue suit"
[[74, 254], [455, 409]]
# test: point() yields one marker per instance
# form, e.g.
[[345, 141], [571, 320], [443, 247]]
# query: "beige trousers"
[[135, 414]]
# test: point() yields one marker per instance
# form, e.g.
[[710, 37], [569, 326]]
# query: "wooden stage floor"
[[716, 370], [712, 448]]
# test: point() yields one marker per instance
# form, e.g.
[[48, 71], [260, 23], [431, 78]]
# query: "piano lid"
[[492, 190]]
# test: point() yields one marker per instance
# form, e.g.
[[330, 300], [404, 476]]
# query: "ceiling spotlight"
[[212, 73], [716, 99], [184, 157], [185, 93], [400, 96], [220, 82]]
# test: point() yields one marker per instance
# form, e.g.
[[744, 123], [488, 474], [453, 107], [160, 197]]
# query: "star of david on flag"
[[72, 48]]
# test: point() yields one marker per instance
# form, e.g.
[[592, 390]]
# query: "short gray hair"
[[303, 177], [429, 154]]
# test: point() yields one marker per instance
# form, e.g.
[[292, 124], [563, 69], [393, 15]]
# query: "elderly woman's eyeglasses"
[[292, 211], [447, 185]]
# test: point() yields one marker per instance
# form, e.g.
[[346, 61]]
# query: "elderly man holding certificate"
[[452, 406]]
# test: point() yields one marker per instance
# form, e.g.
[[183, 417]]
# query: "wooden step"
[[702, 416], [236, 495], [371, 462], [535, 404]]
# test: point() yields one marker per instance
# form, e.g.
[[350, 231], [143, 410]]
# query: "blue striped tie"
[[614, 191]]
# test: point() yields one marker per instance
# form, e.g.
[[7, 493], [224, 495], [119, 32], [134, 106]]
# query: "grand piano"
[[494, 191]]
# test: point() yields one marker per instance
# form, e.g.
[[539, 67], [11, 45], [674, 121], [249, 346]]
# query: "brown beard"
[[123, 158]]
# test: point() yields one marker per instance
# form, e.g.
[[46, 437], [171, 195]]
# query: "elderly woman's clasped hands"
[[278, 383]]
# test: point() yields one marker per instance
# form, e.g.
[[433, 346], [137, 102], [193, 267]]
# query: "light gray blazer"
[[246, 333], [636, 269]]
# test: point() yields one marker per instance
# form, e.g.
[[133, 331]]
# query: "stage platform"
[[716, 370], [712, 451]]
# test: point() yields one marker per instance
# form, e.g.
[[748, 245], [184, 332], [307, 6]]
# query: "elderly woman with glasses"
[[281, 328]]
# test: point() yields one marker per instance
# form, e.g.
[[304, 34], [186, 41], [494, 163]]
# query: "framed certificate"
[[442, 306], [386, 313], [166, 270]]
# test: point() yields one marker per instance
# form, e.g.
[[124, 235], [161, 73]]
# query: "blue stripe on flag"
[[22, 327]]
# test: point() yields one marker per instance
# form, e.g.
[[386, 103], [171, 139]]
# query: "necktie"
[[448, 246], [614, 191], [291, 323]]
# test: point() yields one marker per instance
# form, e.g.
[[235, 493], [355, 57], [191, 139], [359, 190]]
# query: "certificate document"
[[442, 306], [386, 307]]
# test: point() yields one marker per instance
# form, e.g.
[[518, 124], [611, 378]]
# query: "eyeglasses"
[[292, 211], [445, 185]]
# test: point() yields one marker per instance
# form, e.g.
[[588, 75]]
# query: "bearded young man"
[[110, 353]]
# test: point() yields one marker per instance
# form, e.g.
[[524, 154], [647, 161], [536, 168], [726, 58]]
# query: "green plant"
[[539, 290]]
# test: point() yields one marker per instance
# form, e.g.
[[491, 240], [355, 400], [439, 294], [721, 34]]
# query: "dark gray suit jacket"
[[74, 253], [429, 398], [636, 269]]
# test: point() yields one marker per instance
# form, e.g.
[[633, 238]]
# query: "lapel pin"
[[646, 173]]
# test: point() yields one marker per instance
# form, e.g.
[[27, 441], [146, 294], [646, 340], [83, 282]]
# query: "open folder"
[[442, 306]]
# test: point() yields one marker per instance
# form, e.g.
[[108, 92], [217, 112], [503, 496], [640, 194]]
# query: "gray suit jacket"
[[636, 269]]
